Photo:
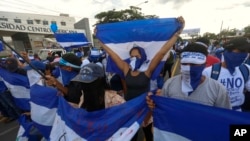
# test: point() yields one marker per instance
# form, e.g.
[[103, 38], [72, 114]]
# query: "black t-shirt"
[[136, 85], [74, 92]]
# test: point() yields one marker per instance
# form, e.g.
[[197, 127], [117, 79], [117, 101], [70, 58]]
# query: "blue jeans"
[[9, 106]]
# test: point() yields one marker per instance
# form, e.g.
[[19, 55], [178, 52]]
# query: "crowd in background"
[[82, 80]]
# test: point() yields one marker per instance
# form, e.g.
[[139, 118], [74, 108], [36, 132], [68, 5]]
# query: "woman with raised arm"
[[137, 57], [138, 82]]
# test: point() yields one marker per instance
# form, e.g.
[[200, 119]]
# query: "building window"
[[17, 20], [3, 19], [63, 23], [29, 22], [37, 21], [53, 22], [45, 23]]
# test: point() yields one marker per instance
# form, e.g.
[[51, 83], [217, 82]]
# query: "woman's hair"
[[94, 94], [141, 51]]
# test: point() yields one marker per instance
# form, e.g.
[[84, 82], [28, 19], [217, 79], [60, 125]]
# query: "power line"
[[38, 6], [17, 8]]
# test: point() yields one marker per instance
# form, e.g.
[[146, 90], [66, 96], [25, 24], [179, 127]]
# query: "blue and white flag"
[[1, 46], [71, 40], [44, 103], [178, 120], [19, 87], [118, 123], [25, 130], [150, 34]]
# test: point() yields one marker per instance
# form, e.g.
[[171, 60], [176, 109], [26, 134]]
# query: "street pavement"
[[8, 131]]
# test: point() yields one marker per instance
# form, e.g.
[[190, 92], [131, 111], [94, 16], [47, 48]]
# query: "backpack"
[[216, 71], [245, 73]]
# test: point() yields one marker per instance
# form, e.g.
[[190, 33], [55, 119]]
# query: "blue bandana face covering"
[[135, 63], [67, 76], [233, 60], [191, 76]]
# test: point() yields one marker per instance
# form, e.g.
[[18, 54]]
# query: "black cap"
[[72, 58]]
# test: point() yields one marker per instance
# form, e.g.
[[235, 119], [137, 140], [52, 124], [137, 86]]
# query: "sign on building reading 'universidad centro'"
[[32, 29]]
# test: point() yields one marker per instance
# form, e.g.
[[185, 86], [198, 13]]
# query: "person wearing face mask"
[[69, 67], [137, 78], [191, 85], [230, 73]]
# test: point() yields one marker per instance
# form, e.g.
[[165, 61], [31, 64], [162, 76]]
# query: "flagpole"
[[33, 67]]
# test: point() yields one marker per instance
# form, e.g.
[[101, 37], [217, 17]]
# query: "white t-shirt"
[[234, 84]]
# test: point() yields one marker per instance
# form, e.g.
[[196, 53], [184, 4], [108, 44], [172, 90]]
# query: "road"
[[8, 131]]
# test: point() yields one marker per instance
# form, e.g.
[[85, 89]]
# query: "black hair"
[[21, 71], [193, 47], [72, 58], [134, 48], [203, 40], [94, 95]]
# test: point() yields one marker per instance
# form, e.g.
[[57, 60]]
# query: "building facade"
[[33, 31]]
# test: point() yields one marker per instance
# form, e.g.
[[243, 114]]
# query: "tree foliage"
[[134, 13], [209, 35], [247, 29]]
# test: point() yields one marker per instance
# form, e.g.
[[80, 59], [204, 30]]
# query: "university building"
[[26, 32]]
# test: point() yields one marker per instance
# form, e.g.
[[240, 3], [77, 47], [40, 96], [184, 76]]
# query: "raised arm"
[[165, 48], [122, 65]]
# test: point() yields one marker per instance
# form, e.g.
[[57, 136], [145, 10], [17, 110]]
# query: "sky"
[[208, 15]]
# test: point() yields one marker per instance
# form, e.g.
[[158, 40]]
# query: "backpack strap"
[[215, 71], [244, 71]]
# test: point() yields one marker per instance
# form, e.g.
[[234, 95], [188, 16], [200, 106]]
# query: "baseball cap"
[[11, 64], [240, 43], [89, 73]]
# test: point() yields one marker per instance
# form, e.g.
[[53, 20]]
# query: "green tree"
[[134, 13], [210, 35], [227, 32], [247, 29]]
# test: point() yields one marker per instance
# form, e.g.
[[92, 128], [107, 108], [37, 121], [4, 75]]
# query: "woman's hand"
[[50, 81], [150, 102], [182, 21]]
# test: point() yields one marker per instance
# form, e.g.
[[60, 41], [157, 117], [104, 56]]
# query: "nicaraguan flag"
[[118, 123], [1, 46], [71, 40], [177, 120], [19, 87], [150, 34], [25, 130], [44, 102]]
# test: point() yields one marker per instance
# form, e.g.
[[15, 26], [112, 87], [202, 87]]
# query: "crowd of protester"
[[76, 76]]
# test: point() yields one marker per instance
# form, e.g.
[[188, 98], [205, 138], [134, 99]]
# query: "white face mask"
[[132, 63], [186, 79]]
